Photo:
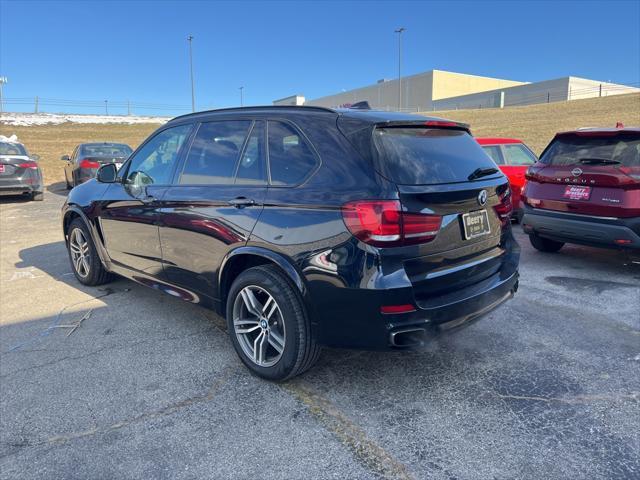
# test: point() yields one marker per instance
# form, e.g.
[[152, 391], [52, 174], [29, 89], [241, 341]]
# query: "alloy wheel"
[[259, 326], [79, 248]]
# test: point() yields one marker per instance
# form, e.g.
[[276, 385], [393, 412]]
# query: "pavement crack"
[[365, 450], [634, 396], [169, 409]]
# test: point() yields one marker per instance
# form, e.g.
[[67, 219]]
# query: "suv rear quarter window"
[[291, 158]]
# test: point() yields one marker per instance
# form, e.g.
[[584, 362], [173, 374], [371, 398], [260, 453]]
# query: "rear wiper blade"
[[482, 172], [598, 161]]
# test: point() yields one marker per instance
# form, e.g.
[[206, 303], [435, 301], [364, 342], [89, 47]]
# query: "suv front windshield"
[[622, 150]]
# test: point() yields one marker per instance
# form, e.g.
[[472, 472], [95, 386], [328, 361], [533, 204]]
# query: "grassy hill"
[[536, 124], [533, 124]]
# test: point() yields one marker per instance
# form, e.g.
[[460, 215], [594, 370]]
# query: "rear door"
[[214, 203], [444, 172], [590, 173]]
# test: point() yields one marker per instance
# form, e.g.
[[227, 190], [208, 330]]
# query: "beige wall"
[[449, 84]]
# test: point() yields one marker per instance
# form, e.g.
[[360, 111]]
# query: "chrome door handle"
[[241, 202]]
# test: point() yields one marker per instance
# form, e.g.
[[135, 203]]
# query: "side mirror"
[[66, 158], [107, 173], [35, 157]]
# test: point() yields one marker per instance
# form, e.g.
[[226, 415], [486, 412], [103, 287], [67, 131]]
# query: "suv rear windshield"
[[427, 156], [581, 150]]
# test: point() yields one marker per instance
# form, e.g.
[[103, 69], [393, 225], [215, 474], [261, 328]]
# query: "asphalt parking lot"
[[147, 386]]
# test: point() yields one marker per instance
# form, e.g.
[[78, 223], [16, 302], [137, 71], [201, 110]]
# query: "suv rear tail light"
[[86, 163], [382, 223], [504, 209], [633, 172], [33, 165]]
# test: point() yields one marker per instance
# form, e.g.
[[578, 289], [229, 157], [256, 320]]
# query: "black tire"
[[37, 196], [96, 274], [544, 244], [301, 350]]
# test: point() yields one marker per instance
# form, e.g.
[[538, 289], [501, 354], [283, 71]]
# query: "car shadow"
[[15, 199], [58, 188]]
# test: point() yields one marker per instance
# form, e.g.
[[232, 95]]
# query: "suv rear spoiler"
[[428, 123]]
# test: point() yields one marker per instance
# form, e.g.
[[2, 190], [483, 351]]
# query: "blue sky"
[[138, 50]]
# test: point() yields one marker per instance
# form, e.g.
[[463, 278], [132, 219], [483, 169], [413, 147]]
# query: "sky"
[[137, 51]]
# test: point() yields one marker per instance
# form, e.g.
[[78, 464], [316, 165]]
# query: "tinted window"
[[214, 153], [106, 150], [622, 149], [423, 156], [291, 159], [494, 152], [153, 164], [252, 166], [519, 155], [7, 148]]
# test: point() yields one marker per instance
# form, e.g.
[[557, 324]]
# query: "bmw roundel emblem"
[[576, 172], [482, 197]]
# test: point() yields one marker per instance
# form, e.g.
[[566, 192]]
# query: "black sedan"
[[20, 173], [86, 158]]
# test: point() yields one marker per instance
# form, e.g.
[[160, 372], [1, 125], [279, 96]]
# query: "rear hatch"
[[97, 161], [588, 173], [442, 173]]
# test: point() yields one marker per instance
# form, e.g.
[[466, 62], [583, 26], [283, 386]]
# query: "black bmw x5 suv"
[[305, 227]]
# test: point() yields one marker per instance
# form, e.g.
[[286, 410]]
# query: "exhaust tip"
[[407, 338]]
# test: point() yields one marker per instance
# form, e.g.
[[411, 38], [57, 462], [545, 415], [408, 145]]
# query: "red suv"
[[585, 189], [513, 157]]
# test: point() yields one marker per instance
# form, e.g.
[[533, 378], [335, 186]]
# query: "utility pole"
[[128, 108], [241, 96], [193, 95], [106, 107], [3, 80], [399, 32], [36, 109]]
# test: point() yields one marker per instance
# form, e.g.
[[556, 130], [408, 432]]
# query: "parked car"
[[87, 158], [586, 190], [20, 173], [305, 226], [513, 157]]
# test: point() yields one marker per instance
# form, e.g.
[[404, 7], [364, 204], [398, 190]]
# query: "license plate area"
[[476, 224], [577, 192]]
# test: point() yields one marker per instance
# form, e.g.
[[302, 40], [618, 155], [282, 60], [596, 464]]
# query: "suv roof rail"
[[258, 107]]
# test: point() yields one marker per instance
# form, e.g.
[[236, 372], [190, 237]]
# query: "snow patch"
[[33, 119]]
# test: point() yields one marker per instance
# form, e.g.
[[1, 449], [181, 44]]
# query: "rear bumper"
[[352, 318], [19, 188], [583, 229]]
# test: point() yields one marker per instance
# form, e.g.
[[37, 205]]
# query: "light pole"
[[399, 32], [241, 97], [106, 107], [3, 80], [193, 95]]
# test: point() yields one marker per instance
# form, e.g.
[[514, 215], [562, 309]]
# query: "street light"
[[241, 98], [193, 96], [399, 32], [3, 80]]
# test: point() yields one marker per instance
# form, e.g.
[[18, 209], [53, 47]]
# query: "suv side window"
[[519, 155], [494, 152], [252, 166], [291, 159], [153, 164], [214, 153]]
